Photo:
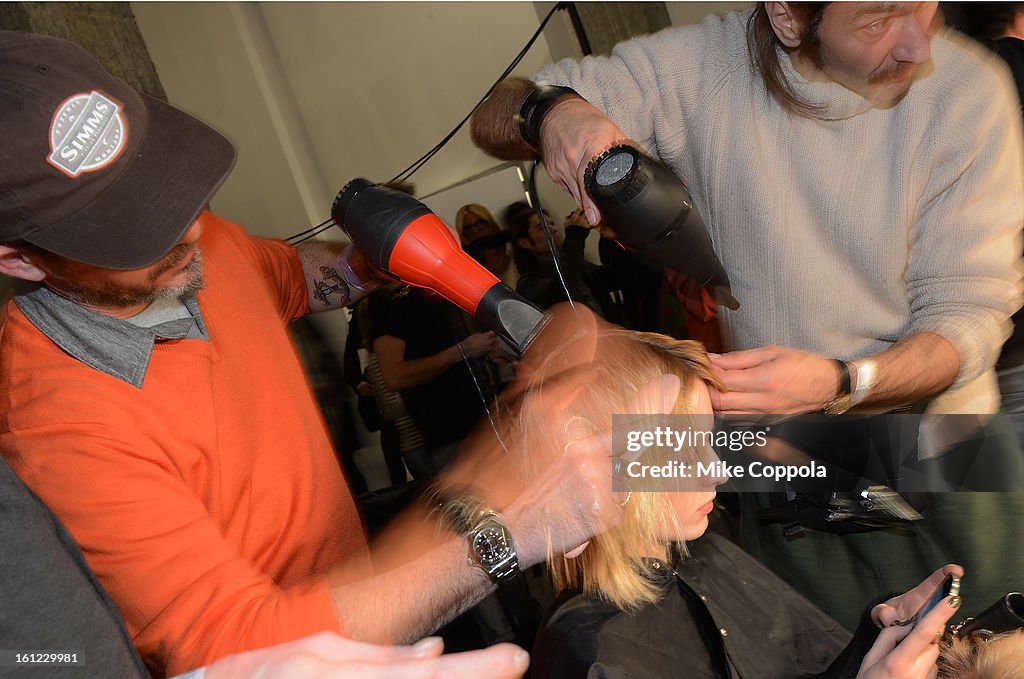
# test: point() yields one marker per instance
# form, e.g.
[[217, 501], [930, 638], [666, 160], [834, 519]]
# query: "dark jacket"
[[50, 600], [723, 615]]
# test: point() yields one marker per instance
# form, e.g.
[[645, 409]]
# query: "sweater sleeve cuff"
[[976, 340]]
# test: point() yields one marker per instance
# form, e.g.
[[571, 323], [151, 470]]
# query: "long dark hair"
[[517, 220], [764, 47]]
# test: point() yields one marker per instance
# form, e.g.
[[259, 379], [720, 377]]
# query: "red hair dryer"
[[402, 236]]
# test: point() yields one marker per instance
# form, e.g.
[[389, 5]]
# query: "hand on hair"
[[328, 655], [573, 133], [573, 500], [774, 380]]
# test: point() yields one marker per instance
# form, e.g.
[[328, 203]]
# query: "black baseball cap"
[[89, 168]]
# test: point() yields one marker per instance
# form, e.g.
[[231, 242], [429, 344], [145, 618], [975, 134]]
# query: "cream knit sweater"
[[844, 233]]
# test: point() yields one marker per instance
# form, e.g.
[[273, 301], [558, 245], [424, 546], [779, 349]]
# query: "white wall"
[[314, 94], [682, 13]]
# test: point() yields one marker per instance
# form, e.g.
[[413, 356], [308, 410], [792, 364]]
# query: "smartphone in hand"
[[950, 586]]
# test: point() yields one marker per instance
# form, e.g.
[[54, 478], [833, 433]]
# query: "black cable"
[[314, 232], [416, 165], [326, 222], [543, 221], [404, 175]]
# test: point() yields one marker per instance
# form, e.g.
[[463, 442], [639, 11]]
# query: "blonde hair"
[[627, 360], [1001, 657], [476, 210]]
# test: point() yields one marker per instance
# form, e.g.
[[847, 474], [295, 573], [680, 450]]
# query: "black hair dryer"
[[400, 235], [651, 211]]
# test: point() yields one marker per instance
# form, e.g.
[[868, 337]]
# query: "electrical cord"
[[408, 172]]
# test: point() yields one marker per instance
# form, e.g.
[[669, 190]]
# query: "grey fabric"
[[50, 599], [110, 345]]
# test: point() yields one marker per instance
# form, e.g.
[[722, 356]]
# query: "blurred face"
[[126, 293], [872, 48], [495, 260], [538, 243], [474, 227], [693, 507]]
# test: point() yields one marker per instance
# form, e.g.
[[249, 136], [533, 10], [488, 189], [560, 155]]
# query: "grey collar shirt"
[[111, 345]]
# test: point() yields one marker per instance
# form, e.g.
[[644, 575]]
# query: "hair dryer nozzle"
[[514, 319]]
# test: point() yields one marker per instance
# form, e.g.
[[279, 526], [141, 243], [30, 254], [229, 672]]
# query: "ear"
[[524, 243], [785, 23], [1016, 27], [16, 264]]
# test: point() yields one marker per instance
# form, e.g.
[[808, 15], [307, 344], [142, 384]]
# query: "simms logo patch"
[[87, 133]]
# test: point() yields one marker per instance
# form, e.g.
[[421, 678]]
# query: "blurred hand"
[[478, 344], [571, 500], [372, 278], [910, 652], [774, 380], [364, 388], [326, 655], [576, 218], [501, 353], [573, 133]]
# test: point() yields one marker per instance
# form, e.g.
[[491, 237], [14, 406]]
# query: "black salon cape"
[[723, 615]]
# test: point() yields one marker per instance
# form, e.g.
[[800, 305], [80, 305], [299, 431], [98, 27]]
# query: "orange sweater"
[[209, 502]]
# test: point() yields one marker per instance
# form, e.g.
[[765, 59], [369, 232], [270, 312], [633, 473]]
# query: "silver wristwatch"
[[492, 549]]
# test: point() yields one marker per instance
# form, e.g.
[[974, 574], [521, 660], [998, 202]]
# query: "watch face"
[[490, 545]]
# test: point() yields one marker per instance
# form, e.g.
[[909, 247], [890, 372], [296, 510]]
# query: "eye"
[[877, 26]]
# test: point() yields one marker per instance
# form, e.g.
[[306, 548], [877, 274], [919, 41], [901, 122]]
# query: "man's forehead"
[[872, 9]]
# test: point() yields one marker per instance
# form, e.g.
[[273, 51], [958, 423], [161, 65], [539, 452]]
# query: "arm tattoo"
[[330, 283]]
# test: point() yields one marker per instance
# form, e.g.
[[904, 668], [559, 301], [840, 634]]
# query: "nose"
[[914, 43], [716, 466]]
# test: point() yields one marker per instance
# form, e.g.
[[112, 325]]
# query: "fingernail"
[[520, 661], [954, 602], [591, 217], [428, 645]]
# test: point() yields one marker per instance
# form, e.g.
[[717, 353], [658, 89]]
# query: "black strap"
[[845, 383], [536, 106]]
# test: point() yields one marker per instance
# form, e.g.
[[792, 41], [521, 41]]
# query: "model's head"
[[624, 363], [871, 48]]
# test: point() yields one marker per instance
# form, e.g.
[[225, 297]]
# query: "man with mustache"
[[860, 175]]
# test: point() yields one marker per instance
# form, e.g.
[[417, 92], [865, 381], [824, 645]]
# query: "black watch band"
[[843, 400], [536, 106], [845, 385]]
